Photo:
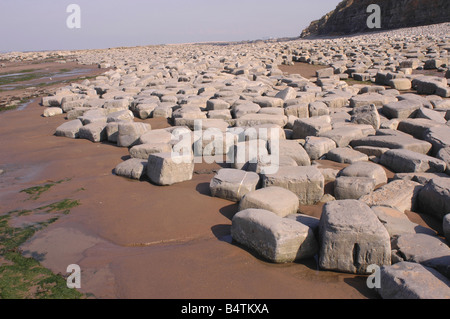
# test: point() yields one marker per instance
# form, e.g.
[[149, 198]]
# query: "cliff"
[[350, 16]]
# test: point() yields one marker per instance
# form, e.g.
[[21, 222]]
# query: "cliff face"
[[350, 16]]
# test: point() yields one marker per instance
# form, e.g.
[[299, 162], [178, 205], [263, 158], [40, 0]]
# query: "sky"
[[38, 25]]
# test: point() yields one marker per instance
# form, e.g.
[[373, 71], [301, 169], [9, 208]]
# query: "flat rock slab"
[[94, 132], [397, 223], [133, 168], [346, 155], [316, 147], [430, 251], [407, 280], [402, 109], [307, 182], [417, 127], [280, 201], [366, 169], [280, 240], [258, 119], [434, 198], [164, 169], [155, 136], [130, 132], [394, 142], [343, 136], [143, 151], [353, 187], [294, 150], [69, 129], [352, 238], [406, 161], [399, 194], [233, 184], [311, 127], [439, 137]]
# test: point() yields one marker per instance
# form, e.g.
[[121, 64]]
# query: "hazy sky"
[[29, 25]]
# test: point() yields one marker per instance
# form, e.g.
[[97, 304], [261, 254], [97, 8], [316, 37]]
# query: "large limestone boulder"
[[143, 151], [294, 150], [69, 129], [397, 223], [439, 137], [311, 127], [316, 147], [405, 161], [352, 238], [133, 168], [399, 194], [366, 169], [434, 198], [279, 240], [94, 132], [279, 201], [165, 169], [52, 111], [430, 251], [130, 132], [307, 182], [233, 184], [394, 142], [346, 155], [367, 114], [353, 187], [409, 280]]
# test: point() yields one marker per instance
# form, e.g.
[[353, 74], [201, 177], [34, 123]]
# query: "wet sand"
[[47, 76], [136, 240], [304, 69]]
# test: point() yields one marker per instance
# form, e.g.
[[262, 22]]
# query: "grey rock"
[[316, 147], [164, 169], [69, 129], [233, 184], [352, 238], [366, 169], [280, 240], [132, 168], [307, 182], [394, 142], [130, 132], [405, 161], [439, 137], [406, 280], [434, 198], [346, 155], [397, 223], [446, 227], [94, 132], [402, 109], [353, 187], [367, 114], [142, 151], [398, 194], [279, 201], [430, 251], [311, 127]]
